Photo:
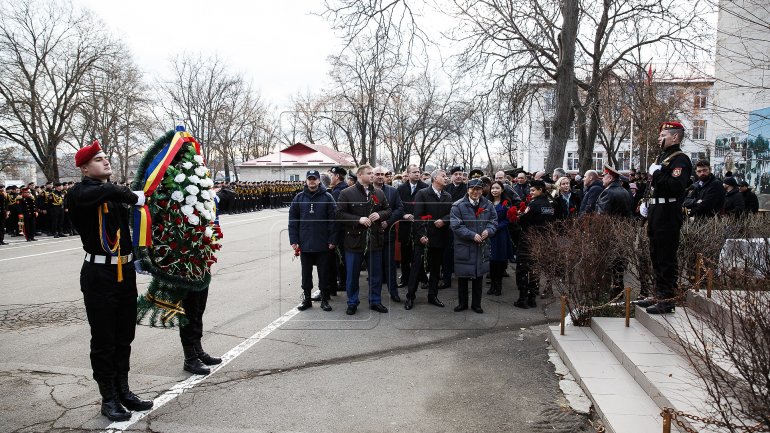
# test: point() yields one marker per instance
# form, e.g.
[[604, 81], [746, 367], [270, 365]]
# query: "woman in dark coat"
[[473, 222], [502, 248], [566, 199], [538, 214]]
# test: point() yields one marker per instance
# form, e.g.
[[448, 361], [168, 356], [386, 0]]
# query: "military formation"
[[240, 197], [33, 210]]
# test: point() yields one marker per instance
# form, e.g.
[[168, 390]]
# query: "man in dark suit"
[[457, 188], [432, 208], [407, 192], [389, 250]]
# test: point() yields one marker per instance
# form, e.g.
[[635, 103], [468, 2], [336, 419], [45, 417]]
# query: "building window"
[[700, 98], [572, 132], [697, 156], [294, 178], [547, 130], [624, 160], [598, 160], [699, 130], [573, 163], [550, 100]]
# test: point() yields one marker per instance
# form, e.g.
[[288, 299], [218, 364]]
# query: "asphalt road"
[[425, 370]]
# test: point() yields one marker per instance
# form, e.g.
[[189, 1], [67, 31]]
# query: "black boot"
[[111, 407], [205, 357], [130, 400], [522, 301], [192, 363]]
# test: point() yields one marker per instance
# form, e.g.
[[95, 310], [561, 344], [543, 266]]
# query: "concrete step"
[[665, 376], [622, 404], [686, 333]]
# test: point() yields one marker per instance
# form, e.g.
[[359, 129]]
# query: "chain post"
[[563, 312], [709, 282], [628, 307], [666, 421]]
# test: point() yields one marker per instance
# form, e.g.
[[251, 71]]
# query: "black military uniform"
[[99, 211], [56, 211], [540, 213], [28, 212], [665, 219]]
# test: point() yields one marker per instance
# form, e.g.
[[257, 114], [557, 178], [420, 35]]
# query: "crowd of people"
[[435, 225], [33, 210]]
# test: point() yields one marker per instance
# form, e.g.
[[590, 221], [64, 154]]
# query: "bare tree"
[[46, 51]]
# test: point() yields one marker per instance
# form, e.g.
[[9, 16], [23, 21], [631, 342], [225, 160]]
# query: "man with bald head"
[[592, 187]]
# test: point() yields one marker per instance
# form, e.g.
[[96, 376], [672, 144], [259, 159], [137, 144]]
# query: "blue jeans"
[[353, 269]]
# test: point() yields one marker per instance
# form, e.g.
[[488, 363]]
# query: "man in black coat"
[[734, 203], [407, 191], [389, 225], [749, 198], [312, 234], [432, 208], [360, 210], [521, 187], [457, 188], [593, 187], [670, 175], [708, 197]]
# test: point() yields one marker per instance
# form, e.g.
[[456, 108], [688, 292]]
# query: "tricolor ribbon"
[[152, 178]]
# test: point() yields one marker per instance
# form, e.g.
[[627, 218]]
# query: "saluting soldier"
[[99, 210], [670, 174]]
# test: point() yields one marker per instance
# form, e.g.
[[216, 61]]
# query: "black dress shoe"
[[435, 301], [351, 310], [461, 307], [441, 285], [531, 303], [491, 290], [477, 309], [395, 298], [305, 305], [424, 286], [661, 308], [114, 411], [325, 306], [379, 308], [205, 357], [409, 304], [316, 298], [521, 303]]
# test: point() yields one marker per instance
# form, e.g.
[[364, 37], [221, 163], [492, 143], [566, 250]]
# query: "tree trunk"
[[565, 84]]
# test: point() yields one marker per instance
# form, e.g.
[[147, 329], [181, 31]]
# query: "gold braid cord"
[[171, 309]]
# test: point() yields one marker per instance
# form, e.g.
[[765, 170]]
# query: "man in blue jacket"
[[593, 187], [312, 234]]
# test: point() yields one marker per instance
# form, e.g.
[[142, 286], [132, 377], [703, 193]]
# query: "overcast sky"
[[279, 44]]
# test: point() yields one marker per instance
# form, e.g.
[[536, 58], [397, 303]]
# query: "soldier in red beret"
[[107, 278], [670, 175]]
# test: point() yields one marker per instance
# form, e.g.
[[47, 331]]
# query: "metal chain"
[[676, 414]]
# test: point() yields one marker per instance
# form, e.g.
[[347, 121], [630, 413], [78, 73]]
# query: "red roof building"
[[293, 162]]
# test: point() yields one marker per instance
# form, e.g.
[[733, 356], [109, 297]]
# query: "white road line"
[[190, 382], [43, 241], [40, 254]]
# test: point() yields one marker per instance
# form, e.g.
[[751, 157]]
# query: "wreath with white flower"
[[184, 236]]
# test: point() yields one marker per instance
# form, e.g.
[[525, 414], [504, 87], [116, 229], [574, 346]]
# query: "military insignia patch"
[[677, 171]]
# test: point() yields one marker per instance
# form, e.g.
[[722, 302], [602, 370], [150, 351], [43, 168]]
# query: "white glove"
[[138, 265], [644, 210], [141, 200], [654, 168]]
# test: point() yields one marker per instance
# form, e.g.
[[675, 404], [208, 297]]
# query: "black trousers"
[[55, 216], [527, 280], [496, 270], [29, 226], [663, 227], [111, 310], [435, 258], [462, 291], [194, 305], [407, 255], [336, 273], [321, 262]]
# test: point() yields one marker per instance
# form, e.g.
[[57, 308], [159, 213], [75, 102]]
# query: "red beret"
[[671, 125], [85, 154]]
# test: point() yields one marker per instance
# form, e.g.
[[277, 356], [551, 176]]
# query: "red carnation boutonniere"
[[505, 203], [375, 200], [426, 217], [528, 198], [480, 211], [572, 210]]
